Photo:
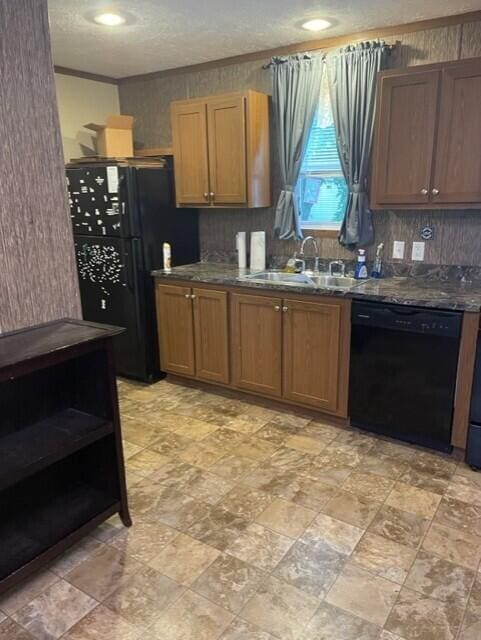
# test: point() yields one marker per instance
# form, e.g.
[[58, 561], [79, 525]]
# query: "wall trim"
[[86, 75], [311, 45]]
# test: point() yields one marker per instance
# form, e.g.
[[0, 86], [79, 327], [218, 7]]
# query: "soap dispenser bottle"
[[360, 273], [377, 268]]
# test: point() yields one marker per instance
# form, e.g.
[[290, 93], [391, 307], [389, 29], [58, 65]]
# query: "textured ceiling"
[[163, 34]]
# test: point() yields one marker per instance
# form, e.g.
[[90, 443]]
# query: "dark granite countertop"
[[440, 294]]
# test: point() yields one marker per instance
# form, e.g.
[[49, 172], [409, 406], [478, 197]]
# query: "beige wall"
[[38, 277], [81, 101], [457, 235]]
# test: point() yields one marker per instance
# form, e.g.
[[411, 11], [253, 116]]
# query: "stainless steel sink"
[[335, 282], [279, 277], [321, 281]]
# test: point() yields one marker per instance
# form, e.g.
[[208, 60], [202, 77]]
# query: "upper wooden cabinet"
[[227, 149], [428, 133], [406, 125], [221, 150], [457, 170], [190, 139]]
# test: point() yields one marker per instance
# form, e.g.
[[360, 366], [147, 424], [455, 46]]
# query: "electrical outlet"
[[418, 251], [398, 249]]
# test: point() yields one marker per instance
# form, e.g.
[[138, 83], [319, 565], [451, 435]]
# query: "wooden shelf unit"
[[39, 445], [61, 459]]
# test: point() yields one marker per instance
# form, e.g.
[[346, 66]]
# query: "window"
[[321, 190]]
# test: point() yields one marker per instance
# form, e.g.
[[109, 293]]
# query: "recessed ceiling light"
[[109, 19], [316, 25]]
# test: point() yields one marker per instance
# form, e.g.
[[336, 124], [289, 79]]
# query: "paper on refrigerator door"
[[113, 179], [258, 251]]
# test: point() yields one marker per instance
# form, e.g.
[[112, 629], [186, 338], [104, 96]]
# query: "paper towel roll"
[[258, 251], [241, 246]]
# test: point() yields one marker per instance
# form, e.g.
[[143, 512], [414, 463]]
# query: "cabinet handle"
[[284, 309], [424, 192], [277, 308], [206, 195], [212, 194], [435, 192], [186, 295], [193, 296]]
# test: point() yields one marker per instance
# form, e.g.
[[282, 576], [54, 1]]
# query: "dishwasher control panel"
[[407, 318]]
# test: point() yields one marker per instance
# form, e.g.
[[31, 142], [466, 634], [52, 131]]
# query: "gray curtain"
[[297, 83], [352, 82]]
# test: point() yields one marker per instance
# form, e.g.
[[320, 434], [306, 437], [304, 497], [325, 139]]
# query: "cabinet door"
[[257, 343], [312, 348], [189, 140], [457, 175], [176, 329], [406, 123], [211, 335], [227, 149]]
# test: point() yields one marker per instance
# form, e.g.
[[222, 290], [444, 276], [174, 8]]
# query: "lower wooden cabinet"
[[211, 330], [312, 353], [292, 349], [176, 329], [278, 347], [257, 343], [193, 332]]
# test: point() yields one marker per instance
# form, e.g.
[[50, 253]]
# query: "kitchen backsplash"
[[456, 240]]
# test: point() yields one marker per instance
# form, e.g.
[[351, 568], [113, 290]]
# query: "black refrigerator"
[[121, 215]]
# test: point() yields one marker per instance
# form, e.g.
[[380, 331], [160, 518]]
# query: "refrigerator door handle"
[[136, 263], [127, 262], [121, 207]]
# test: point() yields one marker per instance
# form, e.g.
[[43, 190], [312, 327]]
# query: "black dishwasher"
[[403, 371]]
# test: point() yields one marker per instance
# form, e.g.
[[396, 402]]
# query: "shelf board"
[[56, 339], [27, 451], [51, 521]]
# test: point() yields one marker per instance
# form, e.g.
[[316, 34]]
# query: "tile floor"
[[254, 524]]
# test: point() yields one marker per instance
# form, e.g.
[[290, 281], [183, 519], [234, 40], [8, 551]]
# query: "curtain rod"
[[388, 47]]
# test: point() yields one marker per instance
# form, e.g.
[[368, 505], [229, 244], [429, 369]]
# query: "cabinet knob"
[[206, 195], [186, 295], [435, 192], [193, 296], [277, 308], [212, 194], [424, 192], [285, 309]]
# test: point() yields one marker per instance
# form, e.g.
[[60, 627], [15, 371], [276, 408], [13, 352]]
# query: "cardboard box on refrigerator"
[[114, 138]]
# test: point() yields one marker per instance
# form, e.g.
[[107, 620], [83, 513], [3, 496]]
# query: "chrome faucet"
[[340, 264], [316, 246]]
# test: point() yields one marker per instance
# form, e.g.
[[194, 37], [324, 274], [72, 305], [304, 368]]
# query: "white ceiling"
[[164, 34]]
